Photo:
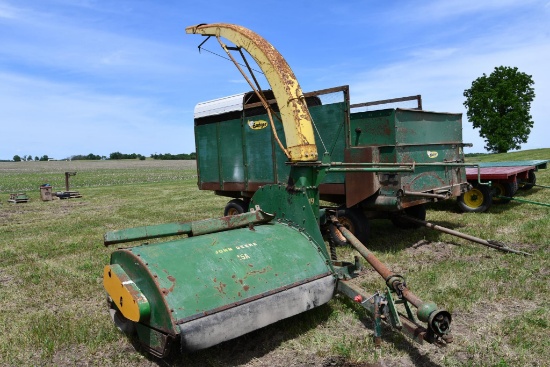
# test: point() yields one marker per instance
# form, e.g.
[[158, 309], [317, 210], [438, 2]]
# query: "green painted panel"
[[428, 177], [402, 127], [329, 120], [292, 207], [203, 273], [231, 151], [372, 128], [422, 127], [207, 153], [258, 149]]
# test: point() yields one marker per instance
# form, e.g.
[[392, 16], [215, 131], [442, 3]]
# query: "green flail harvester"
[[229, 276]]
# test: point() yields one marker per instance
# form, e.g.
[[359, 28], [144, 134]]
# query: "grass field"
[[52, 303]]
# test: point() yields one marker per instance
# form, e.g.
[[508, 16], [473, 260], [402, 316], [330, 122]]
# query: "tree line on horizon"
[[112, 156]]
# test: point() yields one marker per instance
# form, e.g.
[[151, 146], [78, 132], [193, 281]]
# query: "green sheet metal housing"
[[210, 288]]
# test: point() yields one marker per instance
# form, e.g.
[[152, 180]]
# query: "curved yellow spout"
[[297, 123]]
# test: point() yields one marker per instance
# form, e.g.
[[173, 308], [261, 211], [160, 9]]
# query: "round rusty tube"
[[481, 241], [438, 321], [369, 256]]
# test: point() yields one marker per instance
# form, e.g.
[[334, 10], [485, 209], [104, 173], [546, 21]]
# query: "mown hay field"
[[53, 310]]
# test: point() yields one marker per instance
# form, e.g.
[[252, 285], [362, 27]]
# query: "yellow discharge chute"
[[297, 123]]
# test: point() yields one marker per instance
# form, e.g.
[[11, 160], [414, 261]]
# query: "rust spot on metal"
[[215, 281], [263, 271], [171, 289], [221, 288], [246, 288], [251, 265]]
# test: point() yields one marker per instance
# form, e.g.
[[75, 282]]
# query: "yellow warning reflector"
[[125, 293]]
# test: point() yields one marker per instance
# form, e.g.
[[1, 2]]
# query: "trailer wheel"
[[353, 220], [417, 211], [531, 181], [515, 187], [235, 207], [502, 189], [477, 200]]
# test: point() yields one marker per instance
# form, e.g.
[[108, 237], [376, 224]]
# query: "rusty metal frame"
[[418, 98]]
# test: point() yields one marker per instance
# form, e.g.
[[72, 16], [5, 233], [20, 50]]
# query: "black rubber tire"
[[477, 200], [515, 187], [417, 211], [502, 189], [355, 221], [531, 181], [235, 207]]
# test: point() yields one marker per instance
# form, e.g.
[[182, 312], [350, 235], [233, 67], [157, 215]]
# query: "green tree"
[[16, 158], [499, 105], [115, 155]]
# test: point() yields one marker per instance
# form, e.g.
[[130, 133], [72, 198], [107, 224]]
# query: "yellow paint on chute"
[[297, 123]]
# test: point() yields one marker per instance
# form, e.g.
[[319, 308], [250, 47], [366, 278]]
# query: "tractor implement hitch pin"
[[439, 321], [489, 243]]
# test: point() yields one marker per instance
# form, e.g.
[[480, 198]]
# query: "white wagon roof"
[[220, 105]]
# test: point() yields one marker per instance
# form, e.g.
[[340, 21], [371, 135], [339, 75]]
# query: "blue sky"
[[91, 76]]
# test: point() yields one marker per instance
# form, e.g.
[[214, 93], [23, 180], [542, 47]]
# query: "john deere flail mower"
[[229, 276]]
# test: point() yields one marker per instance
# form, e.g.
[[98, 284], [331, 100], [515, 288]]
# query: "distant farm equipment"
[[68, 194], [17, 198], [498, 183]]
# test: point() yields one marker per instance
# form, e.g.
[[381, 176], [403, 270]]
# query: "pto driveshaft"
[[439, 321]]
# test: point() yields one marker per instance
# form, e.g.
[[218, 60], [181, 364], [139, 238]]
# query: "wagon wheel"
[[235, 207], [531, 181], [353, 220], [502, 189], [417, 211], [477, 200], [515, 187]]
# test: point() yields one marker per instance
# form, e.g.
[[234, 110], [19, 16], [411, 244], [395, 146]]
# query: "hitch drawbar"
[[439, 321]]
